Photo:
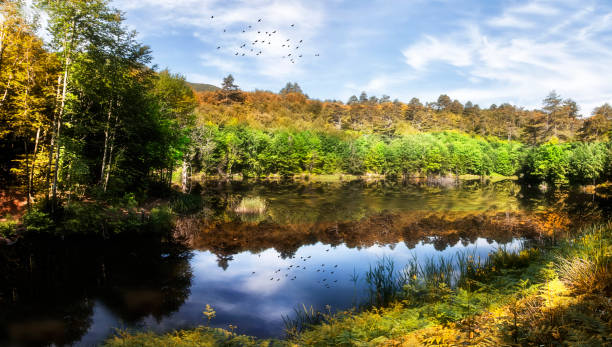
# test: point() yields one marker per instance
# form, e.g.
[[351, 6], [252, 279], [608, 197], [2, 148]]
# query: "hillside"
[[203, 87]]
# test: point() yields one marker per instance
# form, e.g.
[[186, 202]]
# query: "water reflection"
[[255, 267], [50, 288]]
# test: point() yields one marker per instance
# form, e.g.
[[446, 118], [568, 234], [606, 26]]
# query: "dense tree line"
[[85, 113], [237, 149], [371, 135], [558, 117]]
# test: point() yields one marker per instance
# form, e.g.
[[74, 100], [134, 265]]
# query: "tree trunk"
[[52, 140], [27, 162], [110, 153], [31, 175], [67, 62], [2, 45], [184, 176], [106, 135], [8, 86], [57, 132]]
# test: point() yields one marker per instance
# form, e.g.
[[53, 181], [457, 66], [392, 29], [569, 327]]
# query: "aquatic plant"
[[209, 313], [184, 204], [383, 283], [304, 318], [251, 205]]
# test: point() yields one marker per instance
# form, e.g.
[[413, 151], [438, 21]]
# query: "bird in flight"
[[211, 17], [259, 20], [218, 47], [292, 25]]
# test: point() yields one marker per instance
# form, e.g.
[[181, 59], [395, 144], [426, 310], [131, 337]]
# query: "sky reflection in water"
[[256, 302]]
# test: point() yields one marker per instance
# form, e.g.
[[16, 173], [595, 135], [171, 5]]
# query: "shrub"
[[37, 221]]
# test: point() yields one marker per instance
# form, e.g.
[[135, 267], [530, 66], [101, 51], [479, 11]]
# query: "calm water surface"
[[303, 249]]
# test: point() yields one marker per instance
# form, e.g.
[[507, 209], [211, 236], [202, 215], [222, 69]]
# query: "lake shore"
[[500, 301], [504, 301], [252, 235]]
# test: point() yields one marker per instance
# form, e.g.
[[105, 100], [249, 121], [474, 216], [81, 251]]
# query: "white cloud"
[[524, 66], [536, 8], [430, 48], [516, 17], [509, 20]]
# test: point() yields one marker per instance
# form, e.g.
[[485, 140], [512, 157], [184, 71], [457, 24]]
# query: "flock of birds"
[[290, 272], [266, 39]]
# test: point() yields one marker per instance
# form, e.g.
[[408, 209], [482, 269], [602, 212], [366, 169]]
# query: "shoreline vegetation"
[[105, 217], [99, 142], [120, 134], [543, 294]]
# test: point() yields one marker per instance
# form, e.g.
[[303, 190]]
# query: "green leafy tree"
[[586, 162]]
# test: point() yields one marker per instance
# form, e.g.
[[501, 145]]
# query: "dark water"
[[255, 268]]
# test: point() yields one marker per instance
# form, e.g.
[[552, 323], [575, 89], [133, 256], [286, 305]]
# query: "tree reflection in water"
[[361, 214], [50, 288]]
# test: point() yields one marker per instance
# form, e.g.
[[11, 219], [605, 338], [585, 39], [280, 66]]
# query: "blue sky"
[[483, 51]]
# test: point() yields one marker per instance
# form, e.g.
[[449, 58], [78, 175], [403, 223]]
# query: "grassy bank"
[[104, 217], [554, 295]]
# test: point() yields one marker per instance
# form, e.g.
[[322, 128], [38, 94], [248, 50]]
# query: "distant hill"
[[203, 87]]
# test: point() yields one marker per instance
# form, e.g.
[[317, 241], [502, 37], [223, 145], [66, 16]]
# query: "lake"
[[310, 243]]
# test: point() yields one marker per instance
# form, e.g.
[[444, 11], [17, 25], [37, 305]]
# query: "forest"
[[85, 115], [89, 128], [96, 140]]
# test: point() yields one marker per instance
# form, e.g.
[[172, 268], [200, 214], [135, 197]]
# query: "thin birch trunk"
[[31, 176], [52, 140], [57, 132], [110, 153], [67, 62], [106, 135], [184, 176]]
